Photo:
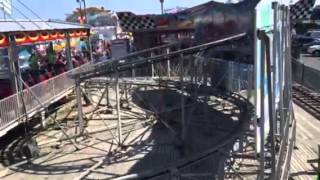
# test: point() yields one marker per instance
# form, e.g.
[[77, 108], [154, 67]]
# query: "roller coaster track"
[[102, 74], [246, 110], [307, 99]]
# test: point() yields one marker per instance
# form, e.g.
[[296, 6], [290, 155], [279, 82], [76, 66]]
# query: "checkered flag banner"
[[131, 22], [302, 9]]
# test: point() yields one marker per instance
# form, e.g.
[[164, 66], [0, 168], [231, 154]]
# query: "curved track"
[[307, 99], [207, 158]]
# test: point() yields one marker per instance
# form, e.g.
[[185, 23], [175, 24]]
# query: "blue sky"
[[57, 9]]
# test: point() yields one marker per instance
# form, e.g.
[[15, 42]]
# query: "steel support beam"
[[183, 121], [168, 64], [68, 51], [152, 65], [79, 104], [118, 111], [262, 114]]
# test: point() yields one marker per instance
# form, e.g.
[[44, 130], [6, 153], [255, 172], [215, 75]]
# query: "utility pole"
[[85, 11], [162, 1], [80, 12]]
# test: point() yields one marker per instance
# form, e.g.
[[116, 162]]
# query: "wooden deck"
[[305, 157]]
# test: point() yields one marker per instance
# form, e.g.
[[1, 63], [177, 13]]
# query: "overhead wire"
[[14, 20], [25, 16], [34, 13]]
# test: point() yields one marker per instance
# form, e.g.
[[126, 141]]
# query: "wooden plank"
[[308, 130]]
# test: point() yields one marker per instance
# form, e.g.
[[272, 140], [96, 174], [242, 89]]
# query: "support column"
[[250, 86], [79, 103], [281, 79], [183, 120], [14, 72], [126, 91], [271, 106], [275, 7], [68, 51], [168, 64], [107, 96], [206, 97], [13, 64], [119, 126], [133, 73], [152, 66], [262, 120], [44, 122], [319, 161], [90, 46]]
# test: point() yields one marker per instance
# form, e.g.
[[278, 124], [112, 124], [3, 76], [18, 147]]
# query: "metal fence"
[[12, 110], [305, 75]]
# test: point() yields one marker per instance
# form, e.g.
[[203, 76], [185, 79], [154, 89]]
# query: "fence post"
[[183, 123], [262, 112], [79, 102], [44, 122], [68, 51], [168, 64], [152, 66], [118, 111]]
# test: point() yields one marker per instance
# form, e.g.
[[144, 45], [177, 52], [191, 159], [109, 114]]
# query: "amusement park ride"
[[235, 62]]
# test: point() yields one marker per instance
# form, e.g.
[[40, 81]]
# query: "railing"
[[11, 108]]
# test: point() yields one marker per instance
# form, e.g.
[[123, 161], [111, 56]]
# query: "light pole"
[[83, 15], [80, 10], [85, 10], [161, 1]]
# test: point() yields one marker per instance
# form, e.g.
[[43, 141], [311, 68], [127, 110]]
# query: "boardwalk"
[[304, 164]]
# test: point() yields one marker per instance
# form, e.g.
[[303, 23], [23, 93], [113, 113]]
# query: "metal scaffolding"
[[200, 79]]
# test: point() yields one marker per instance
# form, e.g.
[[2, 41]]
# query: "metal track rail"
[[246, 109], [307, 99], [120, 64]]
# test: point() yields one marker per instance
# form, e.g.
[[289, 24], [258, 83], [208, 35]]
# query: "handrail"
[[140, 52], [115, 64], [47, 91]]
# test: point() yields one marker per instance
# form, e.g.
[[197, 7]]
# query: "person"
[[34, 65], [60, 64], [108, 49], [29, 79], [74, 59], [51, 60], [42, 76], [84, 48]]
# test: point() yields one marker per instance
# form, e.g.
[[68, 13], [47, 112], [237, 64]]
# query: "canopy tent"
[[15, 33], [34, 31]]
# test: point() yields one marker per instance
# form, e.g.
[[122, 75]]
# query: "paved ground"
[[149, 146], [311, 61]]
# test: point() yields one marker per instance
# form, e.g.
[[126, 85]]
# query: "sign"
[[6, 6], [119, 48]]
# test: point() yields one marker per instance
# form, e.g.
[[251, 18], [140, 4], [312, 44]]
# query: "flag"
[[302, 10]]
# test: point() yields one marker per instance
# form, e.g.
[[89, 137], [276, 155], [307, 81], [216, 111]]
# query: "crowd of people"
[[46, 64], [102, 50]]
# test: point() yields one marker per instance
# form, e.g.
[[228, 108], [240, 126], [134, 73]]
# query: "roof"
[[181, 20], [37, 25]]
